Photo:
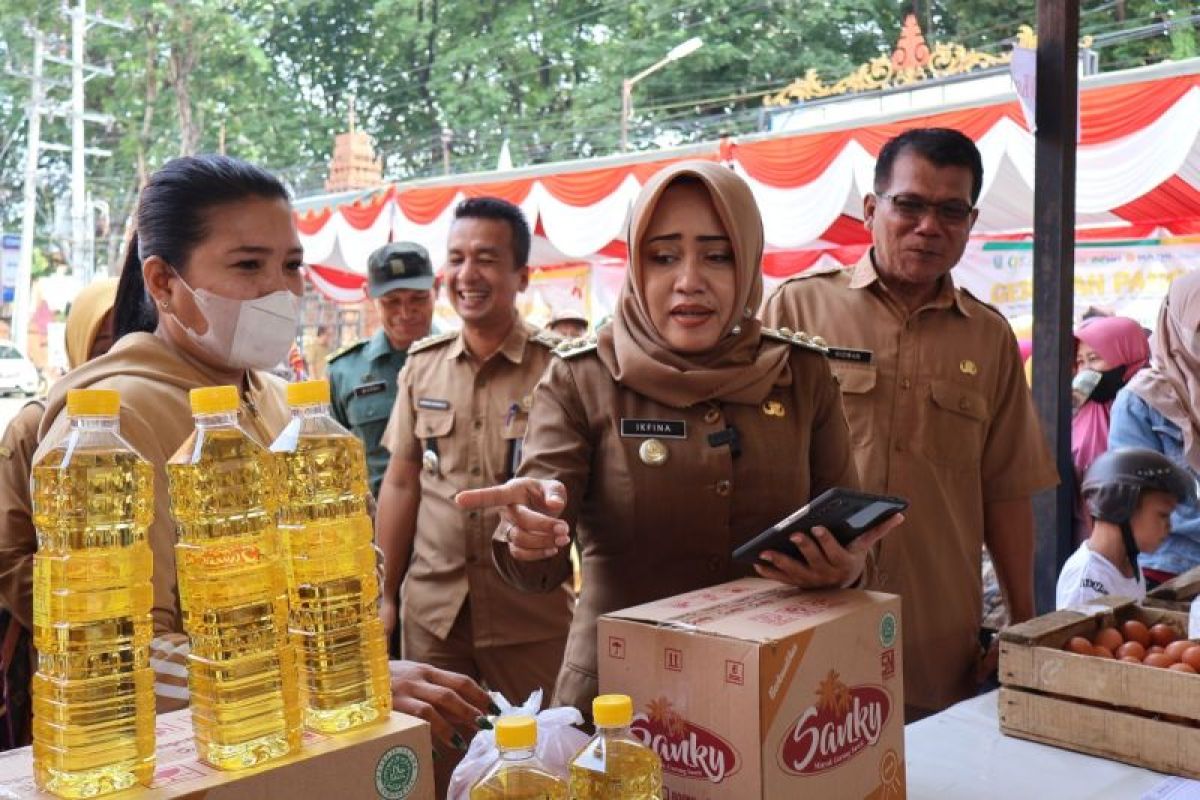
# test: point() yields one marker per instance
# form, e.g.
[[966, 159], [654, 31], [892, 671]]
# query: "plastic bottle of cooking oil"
[[93, 693], [614, 764], [233, 589], [518, 775], [333, 588]]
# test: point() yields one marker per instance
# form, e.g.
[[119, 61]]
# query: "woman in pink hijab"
[[1113, 349]]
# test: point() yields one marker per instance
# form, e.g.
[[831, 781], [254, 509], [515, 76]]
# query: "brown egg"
[[1176, 649], [1131, 648], [1192, 656], [1079, 645], [1109, 637], [1157, 660], [1136, 631], [1131, 659], [1181, 667], [1163, 634], [1154, 648], [1101, 651]]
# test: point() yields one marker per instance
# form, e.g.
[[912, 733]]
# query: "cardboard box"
[[391, 760], [1147, 716], [754, 689], [1176, 594]]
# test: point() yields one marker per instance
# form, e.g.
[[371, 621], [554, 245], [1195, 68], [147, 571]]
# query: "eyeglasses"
[[913, 207]]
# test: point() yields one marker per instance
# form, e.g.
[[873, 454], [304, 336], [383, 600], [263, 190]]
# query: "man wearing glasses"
[[938, 408]]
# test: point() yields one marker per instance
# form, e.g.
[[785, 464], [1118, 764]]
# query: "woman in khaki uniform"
[[208, 297], [683, 431]]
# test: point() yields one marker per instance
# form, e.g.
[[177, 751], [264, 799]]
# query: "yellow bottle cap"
[[308, 393], [93, 403], [612, 710], [214, 400], [516, 733]]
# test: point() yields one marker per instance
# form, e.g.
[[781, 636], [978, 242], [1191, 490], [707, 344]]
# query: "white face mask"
[[246, 334]]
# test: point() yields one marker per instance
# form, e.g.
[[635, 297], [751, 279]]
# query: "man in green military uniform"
[[362, 377]]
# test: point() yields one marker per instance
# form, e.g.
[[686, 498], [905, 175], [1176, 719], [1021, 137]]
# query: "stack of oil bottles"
[[277, 585]]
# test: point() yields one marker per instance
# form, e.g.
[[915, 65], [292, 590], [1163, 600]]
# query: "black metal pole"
[[1057, 121]]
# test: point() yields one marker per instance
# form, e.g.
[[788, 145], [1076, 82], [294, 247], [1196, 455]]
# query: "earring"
[[748, 313], [735, 330]]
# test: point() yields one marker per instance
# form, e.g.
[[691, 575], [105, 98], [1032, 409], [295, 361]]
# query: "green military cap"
[[398, 265]]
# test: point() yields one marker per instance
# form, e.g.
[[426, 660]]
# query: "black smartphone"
[[846, 514]]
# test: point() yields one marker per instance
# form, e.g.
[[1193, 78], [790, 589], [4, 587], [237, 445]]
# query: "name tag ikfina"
[[661, 428]]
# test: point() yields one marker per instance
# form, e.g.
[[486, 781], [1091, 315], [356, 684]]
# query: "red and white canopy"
[[1138, 171]]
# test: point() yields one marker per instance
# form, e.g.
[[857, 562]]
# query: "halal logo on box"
[[887, 630], [843, 722], [685, 749]]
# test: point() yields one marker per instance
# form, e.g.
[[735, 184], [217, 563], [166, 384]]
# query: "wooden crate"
[[1141, 715], [1176, 594]]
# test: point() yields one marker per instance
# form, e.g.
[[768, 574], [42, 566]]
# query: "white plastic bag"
[[558, 742]]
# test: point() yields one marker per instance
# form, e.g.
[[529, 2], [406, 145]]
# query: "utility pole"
[[82, 237], [21, 293], [81, 253]]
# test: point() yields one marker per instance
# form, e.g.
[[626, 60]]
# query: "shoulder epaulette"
[[350, 348], [797, 338], [570, 348], [983, 303], [814, 272], [546, 338], [431, 341]]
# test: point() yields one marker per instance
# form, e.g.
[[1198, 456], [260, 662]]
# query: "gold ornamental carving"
[[913, 61]]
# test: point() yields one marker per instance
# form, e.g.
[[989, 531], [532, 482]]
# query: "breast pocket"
[[514, 440], [956, 424], [433, 424], [362, 411], [368, 416], [857, 382]]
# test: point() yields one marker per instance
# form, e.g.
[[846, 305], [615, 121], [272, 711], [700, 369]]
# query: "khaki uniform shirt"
[[18, 540], [650, 530], [939, 413], [465, 420]]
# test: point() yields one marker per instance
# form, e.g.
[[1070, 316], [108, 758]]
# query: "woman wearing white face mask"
[[209, 296]]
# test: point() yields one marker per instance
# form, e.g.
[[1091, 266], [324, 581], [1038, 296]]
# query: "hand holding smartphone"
[[845, 513]]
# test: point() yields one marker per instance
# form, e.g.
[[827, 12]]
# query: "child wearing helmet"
[[1130, 495]]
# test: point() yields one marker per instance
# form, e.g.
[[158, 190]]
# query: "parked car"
[[17, 373]]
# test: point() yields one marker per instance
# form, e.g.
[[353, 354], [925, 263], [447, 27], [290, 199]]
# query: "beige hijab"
[[88, 310], [1171, 386], [742, 367]]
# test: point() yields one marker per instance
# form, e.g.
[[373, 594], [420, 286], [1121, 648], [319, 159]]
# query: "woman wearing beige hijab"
[[1159, 409], [682, 431]]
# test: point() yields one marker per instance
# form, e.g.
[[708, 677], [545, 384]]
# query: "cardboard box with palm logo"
[[754, 689], [391, 759]]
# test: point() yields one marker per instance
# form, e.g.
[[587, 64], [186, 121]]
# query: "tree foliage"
[[273, 80]]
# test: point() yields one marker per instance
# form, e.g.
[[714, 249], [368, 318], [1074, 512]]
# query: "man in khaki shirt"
[[461, 410], [938, 408]]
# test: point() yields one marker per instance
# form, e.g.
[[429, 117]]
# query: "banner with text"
[[1128, 277]]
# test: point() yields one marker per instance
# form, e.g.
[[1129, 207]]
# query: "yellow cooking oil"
[[233, 589], [614, 763], [332, 581], [518, 775], [93, 692]]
